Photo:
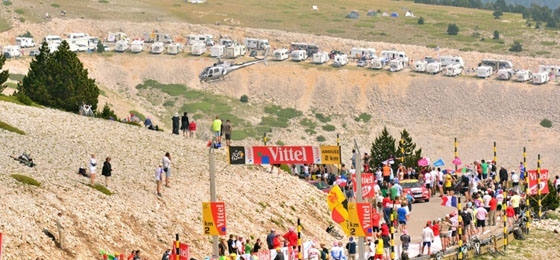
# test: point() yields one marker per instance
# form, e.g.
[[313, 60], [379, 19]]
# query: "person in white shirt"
[[514, 179], [337, 253], [313, 253], [166, 163], [428, 181], [92, 168], [427, 238]]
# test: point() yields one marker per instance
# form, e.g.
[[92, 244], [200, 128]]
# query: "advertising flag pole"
[[212, 166], [361, 247]]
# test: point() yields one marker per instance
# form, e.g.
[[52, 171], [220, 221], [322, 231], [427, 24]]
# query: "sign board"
[[533, 181], [330, 154], [360, 219], [184, 253], [214, 218], [368, 185], [284, 155], [264, 255]]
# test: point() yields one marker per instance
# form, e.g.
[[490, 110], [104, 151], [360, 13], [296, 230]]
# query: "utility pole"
[[212, 167], [359, 198]]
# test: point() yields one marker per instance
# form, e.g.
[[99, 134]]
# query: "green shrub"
[[285, 168], [244, 99], [321, 138], [329, 128], [107, 113], [280, 143], [26, 180], [452, 29], [24, 99], [421, 20], [310, 131], [103, 1], [138, 114], [516, 47], [10, 128], [55, 5], [322, 118], [363, 117], [546, 123], [101, 188], [169, 103], [496, 35], [549, 202], [7, 3], [21, 19], [19, 11]]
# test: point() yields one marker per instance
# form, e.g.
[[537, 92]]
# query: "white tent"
[[196, 1]]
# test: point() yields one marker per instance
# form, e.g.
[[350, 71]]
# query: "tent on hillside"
[[353, 15], [409, 13], [197, 1], [385, 14], [394, 14], [371, 13]]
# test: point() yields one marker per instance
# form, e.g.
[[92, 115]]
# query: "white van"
[[200, 38], [453, 70], [320, 57], [366, 53], [299, 55], [198, 48], [12, 51], [258, 44], [25, 42], [53, 39], [484, 71], [393, 55], [217, 50], [280, 55], [540, 78], [433, 67], [451, 60], [340, 60], [523, 75]]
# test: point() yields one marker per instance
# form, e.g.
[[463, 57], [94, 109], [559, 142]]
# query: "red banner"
[[184, 253], [368, 184], [365, 215], [533, 181], [285, 154], [264, 254]]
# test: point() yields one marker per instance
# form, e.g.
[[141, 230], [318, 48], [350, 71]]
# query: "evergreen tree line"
[[540, 14], [386, 147]]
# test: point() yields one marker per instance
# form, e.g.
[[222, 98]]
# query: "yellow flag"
[[335, 197]]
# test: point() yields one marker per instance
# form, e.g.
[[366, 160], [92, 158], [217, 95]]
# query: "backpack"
[[467, 217], [331, 179]]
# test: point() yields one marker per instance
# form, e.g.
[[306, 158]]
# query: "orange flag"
[[339, 214]]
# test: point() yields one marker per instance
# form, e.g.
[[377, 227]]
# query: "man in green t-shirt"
[[217, 128], [484, 166]]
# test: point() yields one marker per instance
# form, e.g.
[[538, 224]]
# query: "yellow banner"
[[354, 222], [214, 218], [330, 154]]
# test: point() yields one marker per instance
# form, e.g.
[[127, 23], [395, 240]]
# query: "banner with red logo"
[[184, 253], [264, 255], [533, 181], [359, 219], [368, 184], [280, 155], [214, 218]]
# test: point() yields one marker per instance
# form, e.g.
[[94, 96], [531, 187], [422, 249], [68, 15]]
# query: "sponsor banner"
[[284, 155], [214, 218], [184, 253], [533, 181], [273, 253], [237, 155], [264, 254], [330, 154], [359, 219], [368, 185]]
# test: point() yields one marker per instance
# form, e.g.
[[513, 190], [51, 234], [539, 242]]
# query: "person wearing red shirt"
[[384, 229], [291, 237], [192, 129], [510, 213], [493, 203], [277, 242], [375, 219]]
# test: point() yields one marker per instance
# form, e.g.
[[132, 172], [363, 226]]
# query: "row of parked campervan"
[[505, 71]]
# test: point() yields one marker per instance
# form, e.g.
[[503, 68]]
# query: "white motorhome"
[[53, 47], [359, 53], [157, 48], [378, 63], [78, 38], [299, 55], [116, 36], [497, 64], [122, 45], [393, 55], [257, 44], [235, 51], [433, 67], [217, 50], [11, 51], [505, 74], [453, 70], [540, 78], [396, 65], [523, 75], [156, 37], [174, 48], [310, 48], [340, 60], [551, 69], [226, 42], [137, 46], [198, 48], [25, 42], [280, 54], [420, 66], [452, 60], [484, 71], [320, 57], [53, 39], [207, 39]]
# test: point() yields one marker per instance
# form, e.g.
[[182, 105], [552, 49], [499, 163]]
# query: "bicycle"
[[439, 255], [330, 229], [493, 250]]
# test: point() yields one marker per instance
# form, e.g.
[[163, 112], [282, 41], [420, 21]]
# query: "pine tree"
[[4, 74], [382, 149], [406, 152], [59, 80]]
